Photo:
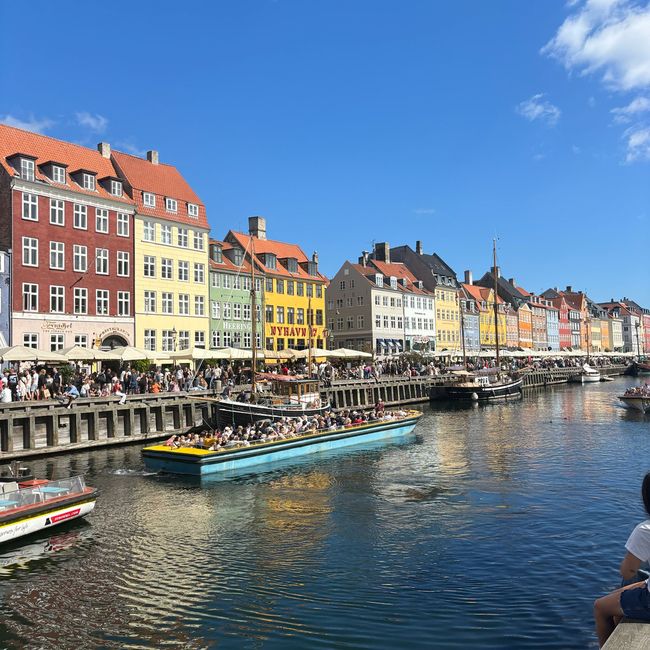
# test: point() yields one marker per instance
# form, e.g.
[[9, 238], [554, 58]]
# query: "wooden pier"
[[629, 635]]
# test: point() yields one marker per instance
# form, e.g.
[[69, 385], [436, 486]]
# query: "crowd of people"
[[638, 391], [268, 431]]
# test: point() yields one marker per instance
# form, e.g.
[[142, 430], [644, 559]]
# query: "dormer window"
[[193, 209], [88, 181], [270, 261], [116, 188], [393, 282], [238, 256], [149, 199], [292, 265], [58, 174], [171, 205], [217, 254], [379, 279], [312, 268], [27, 169]]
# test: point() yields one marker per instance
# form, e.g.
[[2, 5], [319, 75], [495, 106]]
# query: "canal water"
[[490, 527]]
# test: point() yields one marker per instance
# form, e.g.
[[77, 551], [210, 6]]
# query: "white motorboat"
[[586, 375]]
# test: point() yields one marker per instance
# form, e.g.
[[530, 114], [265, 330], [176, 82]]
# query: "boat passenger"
[[631, 600]]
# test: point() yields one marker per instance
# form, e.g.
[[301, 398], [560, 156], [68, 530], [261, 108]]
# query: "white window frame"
[[57, 212], [101, 261], [123, 303], [171, 205], [57, 293], [57, 341], [30, 340], [199, 339], [183, 271], [167, 302], [80, 304], [149, 199], [123, 264], [149, 266], [183, 237], [58, 174], [81, 340], [30, 251], [150, 300], [184, 304], [57, 255], [116, 188], [199, 305], [148, 230], [199, 273], [30, 207], [165, 234], [122, 224], [193, 210], [88, 182], [27, 169], [101, 220], [199, 241], [30, 296], [102, 302], [166, 268], [80, 216], [80, 258], [150, 340]]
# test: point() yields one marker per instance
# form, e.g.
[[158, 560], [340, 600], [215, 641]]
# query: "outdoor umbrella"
[[131, 353], [79, 353], [231, 353], [314, 352], [22, 353], [194, 353], [271, 355], [346, 353]]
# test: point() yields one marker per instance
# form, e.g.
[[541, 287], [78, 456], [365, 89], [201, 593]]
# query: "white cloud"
[[96, 123], [626, 113], [608, 37], [638, 144], [32, 124], [424, 211], [538, 108]]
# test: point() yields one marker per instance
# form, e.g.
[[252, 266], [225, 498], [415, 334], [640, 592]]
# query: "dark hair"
[[645, 492]]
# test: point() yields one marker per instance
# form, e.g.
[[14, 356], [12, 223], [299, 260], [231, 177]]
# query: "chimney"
[[105, 149], [512, 282], [497, 271], [468, 277], [569, 288], [418, 247], [382, 252], [314, 258], [363, 260], [152, 157], [257, 227]]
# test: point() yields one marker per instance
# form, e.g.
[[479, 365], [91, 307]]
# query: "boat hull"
[[15, 524], [195, 462], [637, 403], [510, 390], [232, 413], [588, 379]]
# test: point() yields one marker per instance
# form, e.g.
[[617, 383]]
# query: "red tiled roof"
[[480, 294], [46, 149], [163, 181], [227, 264], [281, 250]]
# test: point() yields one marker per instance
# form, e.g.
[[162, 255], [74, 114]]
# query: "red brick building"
[[69, 225]]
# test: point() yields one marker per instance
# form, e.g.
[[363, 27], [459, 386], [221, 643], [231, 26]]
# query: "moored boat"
[[587, 375], [484, 388], [199, 462], [32, 505]]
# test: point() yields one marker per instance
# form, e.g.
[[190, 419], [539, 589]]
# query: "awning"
[[400, 345], [381, 342]]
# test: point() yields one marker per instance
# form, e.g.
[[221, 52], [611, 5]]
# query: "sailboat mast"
[[309, 324], [462, 334], [253, 317], [496, 310]]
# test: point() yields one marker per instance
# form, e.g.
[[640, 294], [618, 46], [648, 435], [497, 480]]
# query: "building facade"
[[69, 224], [171, 255], [525, 322], [552, 327], [470, 322]]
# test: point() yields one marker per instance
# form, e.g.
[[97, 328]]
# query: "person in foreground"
[[631, 600]]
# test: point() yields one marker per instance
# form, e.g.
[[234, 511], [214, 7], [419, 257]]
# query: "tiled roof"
[[480, 294], [163, 181], [45, 149], [401, 272], [281, 250], [227, 264]]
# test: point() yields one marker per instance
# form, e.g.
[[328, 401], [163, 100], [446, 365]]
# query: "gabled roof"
[[44, 149], [401, 272], [435, 263], [227, 264], [163, 181], [480, 294], [505, 288], [281, 250]]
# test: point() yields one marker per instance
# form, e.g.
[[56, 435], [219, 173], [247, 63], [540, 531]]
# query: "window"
[[247, 340], [217, 254], [123, 225], [123, 264], [269, 285], [182, 237], [30, 297], [80, 301], [101, 220], [171, 205], [183, 340], [30, 207], [216, 339], [236, 311], [193, 209], [30, 340], [57, 255], [149, 269], [290, 315], [342, 285], [150, 302], [290, 287], [360, 322], [199, 339], [268, 313], [225, 281], [166, 268], [58, 174], [292, 265], [310, 290], [57, 299], [150, 340], [123, 303], [199, 241], [300, 288], [88, 182], [149, 231], [101, 302], [360, 301], [101, 261], [215, 309], [56, 342], [300, 316], [199, 273], [319, 317], [270, 261], [80, 258], [280, 314], [166, 234], [30, 251], [246, 311], [226, 310], [168, 340], [167, 302], [80, 217], [183, 304], [116, 188], [57, 214], [27, 169], [279, 286], [350, 322], [199, 306], [339, 323], [184, 271], [149, 199]]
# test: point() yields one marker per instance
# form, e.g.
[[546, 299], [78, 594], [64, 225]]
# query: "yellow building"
[[171, 256], [485, 300], [447, 318], [294, 290]]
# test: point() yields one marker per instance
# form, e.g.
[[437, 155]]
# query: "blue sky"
[[348, 122]]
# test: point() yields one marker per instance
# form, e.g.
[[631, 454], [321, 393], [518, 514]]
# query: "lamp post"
[[174, 334], [638, 349]]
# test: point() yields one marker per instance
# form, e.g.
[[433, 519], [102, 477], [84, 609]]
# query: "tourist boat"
[[289, 397], [199, 462], [586, 375], [483, 388], [29, 506], [637, 398]]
